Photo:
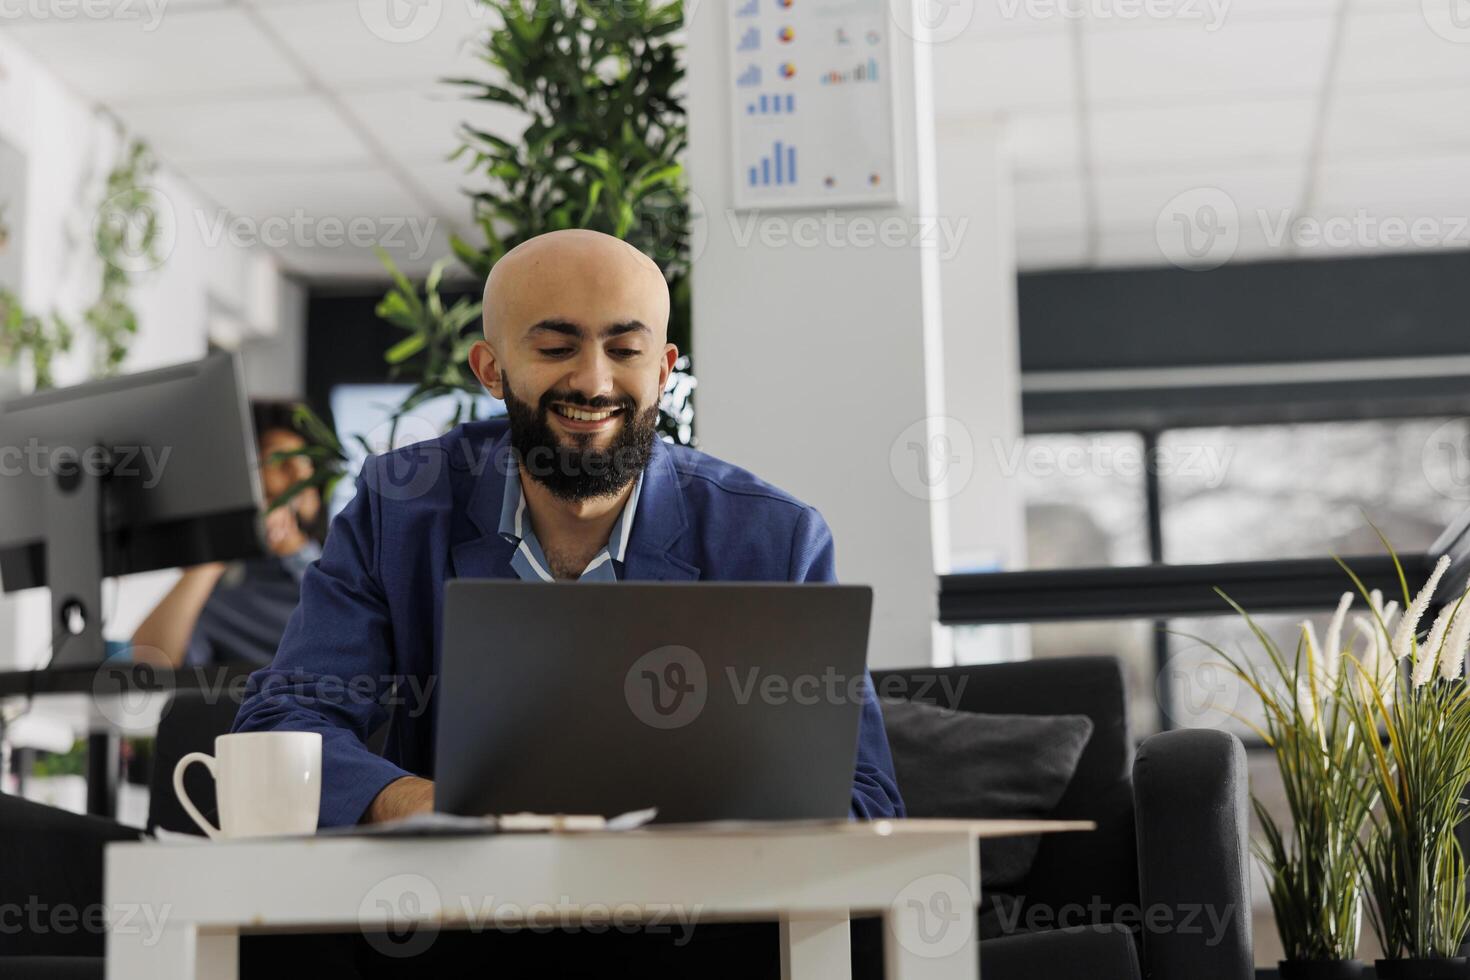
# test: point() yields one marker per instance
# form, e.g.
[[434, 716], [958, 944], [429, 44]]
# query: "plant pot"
[[1438, 968], [1321, 969]]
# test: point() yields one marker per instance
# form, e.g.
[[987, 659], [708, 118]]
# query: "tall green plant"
[[1313, 865], [1413, 863], [22, 332], [43, 338], [435, 353], [126, 237], [596, 82]]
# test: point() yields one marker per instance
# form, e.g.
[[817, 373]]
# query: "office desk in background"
[[106, 701], [922, 876]]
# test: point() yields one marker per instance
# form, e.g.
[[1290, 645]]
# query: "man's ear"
[[666, 368], [487, 368]]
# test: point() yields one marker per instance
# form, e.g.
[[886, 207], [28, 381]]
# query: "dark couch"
[[1171, 838]]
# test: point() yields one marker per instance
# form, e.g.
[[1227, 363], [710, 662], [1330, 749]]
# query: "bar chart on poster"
[[811, 103]]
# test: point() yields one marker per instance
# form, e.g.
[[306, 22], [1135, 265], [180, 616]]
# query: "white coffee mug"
[[267, 783]]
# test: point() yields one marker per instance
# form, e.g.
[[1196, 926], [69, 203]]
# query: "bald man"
[[574, 485]]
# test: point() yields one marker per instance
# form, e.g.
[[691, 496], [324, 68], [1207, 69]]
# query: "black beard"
[[580, 472]]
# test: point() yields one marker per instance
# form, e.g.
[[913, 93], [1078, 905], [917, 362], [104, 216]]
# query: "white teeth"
[[582, 416]]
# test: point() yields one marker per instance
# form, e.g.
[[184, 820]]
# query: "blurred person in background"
[[235, 612]]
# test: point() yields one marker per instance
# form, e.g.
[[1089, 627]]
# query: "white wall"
[[986, 515], [982, 360], [832, 370], [275, 364], [69, 147], [811, 360]]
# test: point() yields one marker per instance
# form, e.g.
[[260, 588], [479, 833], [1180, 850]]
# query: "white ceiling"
[[293, 110], [1318, 108], [1353, 112]]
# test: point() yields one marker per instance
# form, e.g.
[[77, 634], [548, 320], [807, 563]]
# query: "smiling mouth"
[[576, 414]]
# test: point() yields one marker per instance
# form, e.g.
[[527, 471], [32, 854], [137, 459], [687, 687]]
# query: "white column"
[[986, 515], [982, 362], [812, 360]]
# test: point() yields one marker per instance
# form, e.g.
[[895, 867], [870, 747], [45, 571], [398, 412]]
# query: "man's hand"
[[401, 798], [283, 534]]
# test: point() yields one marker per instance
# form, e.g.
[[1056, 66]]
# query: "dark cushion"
[[981, 766], [1104, 863]]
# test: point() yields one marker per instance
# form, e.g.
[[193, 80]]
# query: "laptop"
[[709, 701]]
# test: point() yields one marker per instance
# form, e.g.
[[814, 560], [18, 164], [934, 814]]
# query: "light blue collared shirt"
[[529, 561]]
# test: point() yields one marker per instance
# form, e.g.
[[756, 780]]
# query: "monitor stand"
[[74, 519]]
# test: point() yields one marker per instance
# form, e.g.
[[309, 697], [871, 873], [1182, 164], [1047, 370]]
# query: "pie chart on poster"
[[812, 106]]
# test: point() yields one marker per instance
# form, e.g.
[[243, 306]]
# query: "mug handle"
[[208, 760]]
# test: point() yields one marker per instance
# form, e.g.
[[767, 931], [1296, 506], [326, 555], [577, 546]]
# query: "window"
[[1226, 494], [1271, 492], [1086, 502], [367, 411]]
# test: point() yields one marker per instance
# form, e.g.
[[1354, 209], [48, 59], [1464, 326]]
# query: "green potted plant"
[[435, 353], [605, 130], [604, 133], [24, 333], [126, 235], [597, 84], [1313, 865], [432, 355], [1413, 864]]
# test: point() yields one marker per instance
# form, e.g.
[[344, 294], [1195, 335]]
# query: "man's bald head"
[[576, 343], [574, 275]]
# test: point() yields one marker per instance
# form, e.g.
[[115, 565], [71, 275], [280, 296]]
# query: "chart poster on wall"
[[811, 103]]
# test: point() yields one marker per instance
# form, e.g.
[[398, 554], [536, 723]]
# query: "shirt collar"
[[515, 523]]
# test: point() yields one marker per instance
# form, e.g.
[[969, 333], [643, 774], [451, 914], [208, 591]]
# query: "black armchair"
[[1161, 888]]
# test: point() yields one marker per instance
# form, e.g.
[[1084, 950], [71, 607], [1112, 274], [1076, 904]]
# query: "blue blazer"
[[365, 636]]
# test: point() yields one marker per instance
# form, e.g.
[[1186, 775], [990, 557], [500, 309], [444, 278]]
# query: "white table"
[[177, 909]]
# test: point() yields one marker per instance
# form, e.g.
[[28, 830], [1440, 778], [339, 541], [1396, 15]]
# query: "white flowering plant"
[[1313, 865], [1417, 707]]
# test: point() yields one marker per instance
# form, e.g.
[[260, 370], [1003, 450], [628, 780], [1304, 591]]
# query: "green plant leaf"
[[405, 348]]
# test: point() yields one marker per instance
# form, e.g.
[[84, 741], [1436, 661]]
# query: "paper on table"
[[450, 825]]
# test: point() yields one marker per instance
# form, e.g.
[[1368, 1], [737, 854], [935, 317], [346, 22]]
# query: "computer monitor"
[[364, 413], [129, 474]]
